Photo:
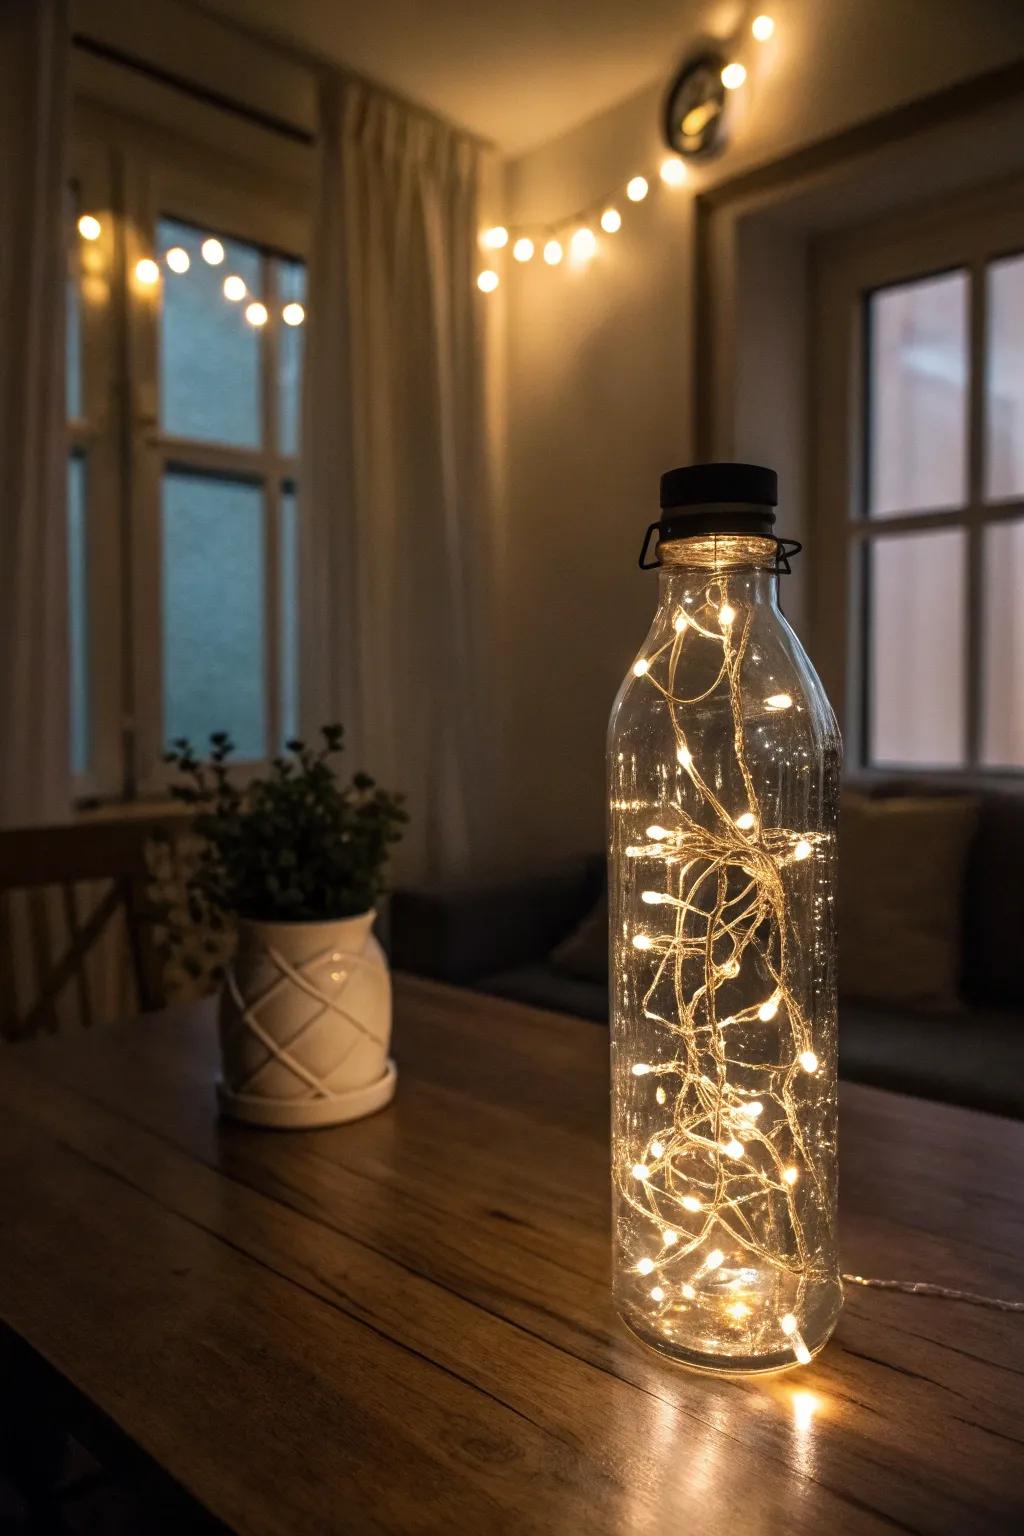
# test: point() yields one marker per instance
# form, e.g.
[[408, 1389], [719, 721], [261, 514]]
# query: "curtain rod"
[[202, 93]]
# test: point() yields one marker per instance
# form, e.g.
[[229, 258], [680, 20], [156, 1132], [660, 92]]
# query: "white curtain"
[[394, 501], [34, 775]]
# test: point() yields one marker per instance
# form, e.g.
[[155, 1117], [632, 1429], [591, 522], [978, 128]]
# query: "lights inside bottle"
[[212, 251], [147, 272], [495, 238]]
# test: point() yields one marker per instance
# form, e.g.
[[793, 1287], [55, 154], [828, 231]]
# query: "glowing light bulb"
[[779, 701], [739, 1310], [657, 1294], [790, 1175], [768, 1010], [234, 288], [752, 1110], [803, 849], [177, 258], [690, 1203], [583, 244], [641, 1068], [726, 614], [653, 898], [680, 623], [645, 1266], [788, 1324], [657, 1148], [808, 1061], [673, 171], [746, 821], [256, 313], [805, 1406], [611, 221], [731, 968], [293, 314], [639, 1172], [689, 1292], [637, 189], [495, 238], [523, 249], [714, 1260], [733, 76], [147, 272], [553, 253], [660, 1095], [801, 1351], [89, 227], [657, 834], [684, 757], [669, 1237], [212, 251], [733, 1148], [640, 667], [487, 280], [762, 27], [642, 941]]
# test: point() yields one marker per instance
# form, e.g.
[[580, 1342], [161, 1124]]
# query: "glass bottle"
[[723, 759]]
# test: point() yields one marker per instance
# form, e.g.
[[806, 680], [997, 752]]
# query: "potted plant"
[[296, 860]]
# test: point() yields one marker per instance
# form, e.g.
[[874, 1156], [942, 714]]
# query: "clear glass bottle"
[[724, 758]]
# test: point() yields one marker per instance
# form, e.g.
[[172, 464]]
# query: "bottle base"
[[709, 1364]]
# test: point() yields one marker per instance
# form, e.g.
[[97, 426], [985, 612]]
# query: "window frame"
[[131, 183], [966, 233]]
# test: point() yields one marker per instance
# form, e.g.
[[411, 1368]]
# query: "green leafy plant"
[[295, 846]]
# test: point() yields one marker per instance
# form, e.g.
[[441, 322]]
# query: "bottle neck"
[[717, 568]]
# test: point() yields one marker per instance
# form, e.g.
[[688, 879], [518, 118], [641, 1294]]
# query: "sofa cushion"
[[902, 866], [974, 1057]]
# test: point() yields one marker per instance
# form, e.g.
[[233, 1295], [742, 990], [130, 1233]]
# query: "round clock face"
[[695, 109]]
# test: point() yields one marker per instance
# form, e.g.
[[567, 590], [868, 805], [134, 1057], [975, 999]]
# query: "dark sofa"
[[497, 938]]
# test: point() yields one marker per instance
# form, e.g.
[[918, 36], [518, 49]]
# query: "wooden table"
[[404, 1325]]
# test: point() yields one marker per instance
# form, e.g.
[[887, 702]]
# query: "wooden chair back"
[[63, 890]]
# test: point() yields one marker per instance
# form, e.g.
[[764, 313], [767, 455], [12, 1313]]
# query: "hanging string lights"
[[577, 230], [234, 288]]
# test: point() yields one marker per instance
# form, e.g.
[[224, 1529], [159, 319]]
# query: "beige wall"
[[601, 378]]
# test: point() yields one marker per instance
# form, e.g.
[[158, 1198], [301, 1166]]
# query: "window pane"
[[78, 614], [213, 575], [917, 395], [292, 284], [209, 353], [1004, 381], [289, 615], [73, 349], [1002, 740], [916, 649]]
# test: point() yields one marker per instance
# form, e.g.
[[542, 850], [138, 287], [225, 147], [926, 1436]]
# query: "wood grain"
[[404, 1325]]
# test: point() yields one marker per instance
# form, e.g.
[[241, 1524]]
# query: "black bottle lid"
[[718, 498]]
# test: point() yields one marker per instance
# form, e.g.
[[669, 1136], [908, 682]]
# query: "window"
[[186, 306], [920, 477]]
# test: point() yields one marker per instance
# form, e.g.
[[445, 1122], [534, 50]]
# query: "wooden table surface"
[[404, 1325]]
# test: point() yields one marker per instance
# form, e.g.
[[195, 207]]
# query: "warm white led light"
[[177, 258], [768, 1010], [657, 834], [714, 1260], [212, 251], [234, 288], [657, 1148], [739, 1310], [654, 898], [731, 968], [752, 1110], [808, 1061], [726, 615], [733, 1148], [762, 28], [733, 76], [779, 701], [553, 253], [790, 1175], [639, 1172], [657, 1294], [523, 249], [803, 849], [89, 227], [669, 1237], [673, 171], [788, 1324], [256, 313], [637, 189], [746, 821], [679, 623], [487, 280], [495, 238], [684, 757], [641, 1068], [660, 1095], [147, 272], [688, 1292], [640, 667], [611, 221], [642, 941], [583, 244], [293, 314], [690, 1203], [645, 1266]]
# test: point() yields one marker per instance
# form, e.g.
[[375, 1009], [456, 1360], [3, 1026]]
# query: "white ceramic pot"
[[305, 1024]]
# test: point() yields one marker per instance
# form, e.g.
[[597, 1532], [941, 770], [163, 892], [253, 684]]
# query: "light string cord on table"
[[941, 1292]]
